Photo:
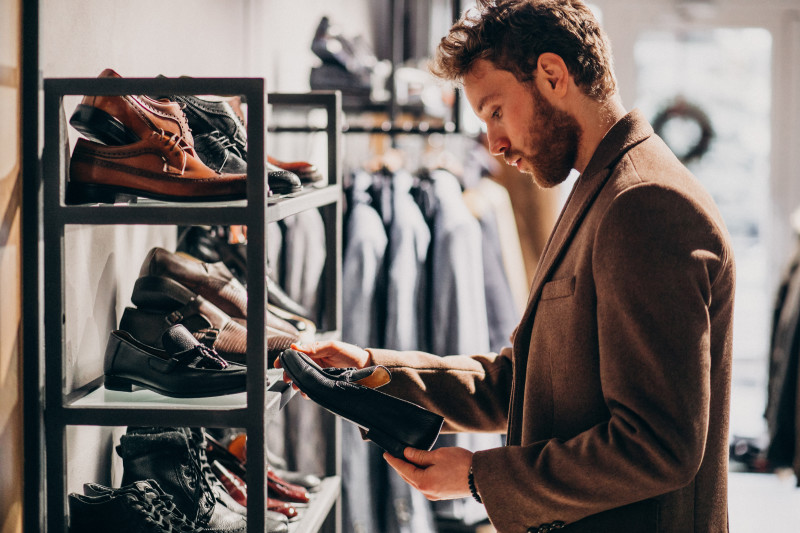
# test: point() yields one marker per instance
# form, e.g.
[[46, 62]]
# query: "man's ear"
[[552, 70]]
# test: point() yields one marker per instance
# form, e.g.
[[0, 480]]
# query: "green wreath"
[[683, 110]]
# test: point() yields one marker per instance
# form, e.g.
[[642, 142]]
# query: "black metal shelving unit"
[[266, 394]]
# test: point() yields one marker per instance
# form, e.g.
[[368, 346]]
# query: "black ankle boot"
[[165, 454]]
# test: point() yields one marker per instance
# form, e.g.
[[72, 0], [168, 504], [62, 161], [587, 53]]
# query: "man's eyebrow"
[[484, 100]]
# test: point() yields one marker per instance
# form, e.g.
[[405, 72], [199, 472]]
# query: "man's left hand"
[[440, 474]]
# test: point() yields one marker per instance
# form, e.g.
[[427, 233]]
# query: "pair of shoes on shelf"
[[139, 507], [212, 245], [223, 135], [174, 288], [177, 459], [391, 423], [206, 298], [141, 146]]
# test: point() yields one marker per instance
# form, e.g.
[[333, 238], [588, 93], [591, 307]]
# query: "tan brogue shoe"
[[124, 119], [160, 166]]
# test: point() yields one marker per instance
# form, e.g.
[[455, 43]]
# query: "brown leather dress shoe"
[[212, 281], [161, 166], [124, 119]]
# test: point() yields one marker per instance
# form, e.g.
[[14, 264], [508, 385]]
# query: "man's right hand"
[[331, 353]]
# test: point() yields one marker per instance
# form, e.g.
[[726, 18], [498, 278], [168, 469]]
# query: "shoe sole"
[[122, 384]]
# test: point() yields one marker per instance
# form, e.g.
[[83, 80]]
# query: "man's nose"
[[498, 142]]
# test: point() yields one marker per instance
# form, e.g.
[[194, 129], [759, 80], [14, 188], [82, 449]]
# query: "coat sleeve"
[[470, 392], [656, 258]]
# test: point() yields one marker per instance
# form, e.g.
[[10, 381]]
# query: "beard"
[[551, 146]]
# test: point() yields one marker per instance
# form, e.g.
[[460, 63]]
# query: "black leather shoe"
[[282, 181], [219, 153], [391, 423], [206, 116], [166, 455], [184, 369], [140, 507]]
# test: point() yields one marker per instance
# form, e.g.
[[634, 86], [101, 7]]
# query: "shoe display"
[[212, 281], [165, 454], [391, 423], [185, 368], [160, 166], [311, 483], [140, 507], [124, 119]]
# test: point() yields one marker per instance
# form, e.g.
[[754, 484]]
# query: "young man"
[[615, 391]]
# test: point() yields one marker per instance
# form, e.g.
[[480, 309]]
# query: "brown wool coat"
[[615, 394]]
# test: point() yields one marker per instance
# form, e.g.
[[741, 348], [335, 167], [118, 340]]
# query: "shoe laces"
[[176, 144], [199, 447], [160, 511], [225, 142]]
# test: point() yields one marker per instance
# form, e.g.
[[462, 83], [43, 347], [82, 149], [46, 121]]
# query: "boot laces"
[[199, 447], [160, 511]]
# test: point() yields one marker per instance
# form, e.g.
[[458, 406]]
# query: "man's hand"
[[331, 353], [440, 474]]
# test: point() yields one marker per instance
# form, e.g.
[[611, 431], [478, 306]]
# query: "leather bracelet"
[[472, 489]]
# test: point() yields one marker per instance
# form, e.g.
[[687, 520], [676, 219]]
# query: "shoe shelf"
[[316, 513], [145, 210], [265, 393], [94, 404]]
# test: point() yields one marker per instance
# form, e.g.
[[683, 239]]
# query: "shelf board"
[[319, 507], [146, 210], [105, 407]]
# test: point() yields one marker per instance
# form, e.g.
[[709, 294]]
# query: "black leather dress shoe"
[[282, 181], [140, 507], [184, 369], [391, 423], [206, 116], [219, 153]]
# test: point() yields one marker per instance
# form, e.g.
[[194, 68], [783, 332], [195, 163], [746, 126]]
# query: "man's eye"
[[496, 113]]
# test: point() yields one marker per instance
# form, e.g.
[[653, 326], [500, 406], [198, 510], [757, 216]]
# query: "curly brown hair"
[[513, 33]]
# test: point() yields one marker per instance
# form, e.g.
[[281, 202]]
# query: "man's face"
[[527, 130]]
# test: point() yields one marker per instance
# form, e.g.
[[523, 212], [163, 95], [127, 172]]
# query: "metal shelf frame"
[[251, 410]]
